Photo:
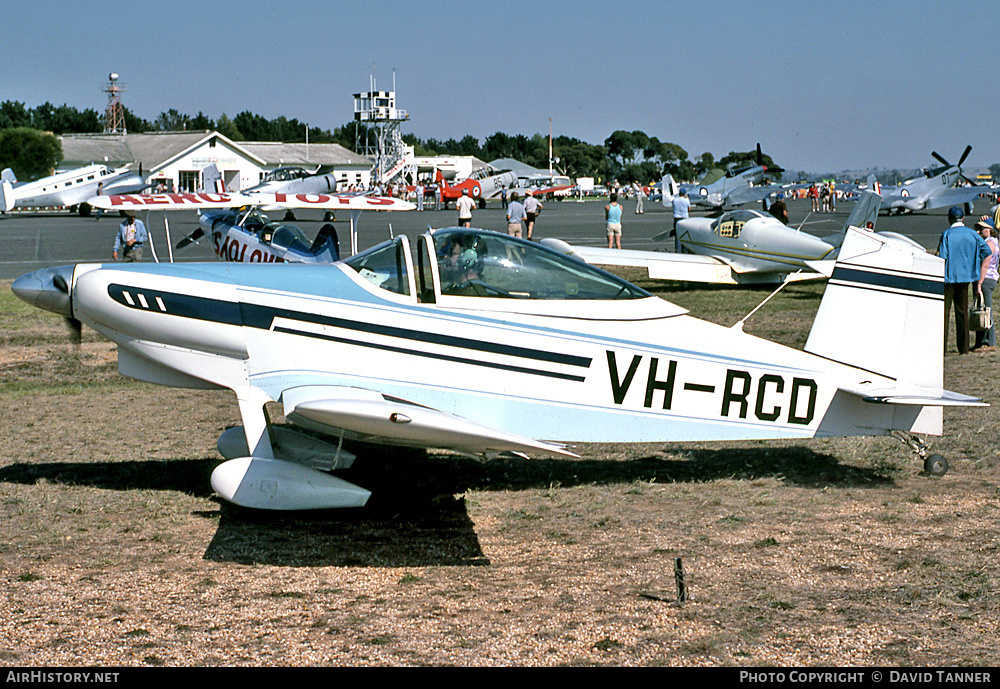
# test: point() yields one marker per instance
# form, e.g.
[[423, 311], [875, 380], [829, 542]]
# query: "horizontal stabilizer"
[[371, 416], [824, 268], [918, 397]]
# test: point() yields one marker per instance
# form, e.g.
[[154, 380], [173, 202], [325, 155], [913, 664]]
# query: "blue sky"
[[823, 86]]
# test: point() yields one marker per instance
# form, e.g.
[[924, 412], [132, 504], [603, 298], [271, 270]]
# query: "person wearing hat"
[[986, 340], [515, 214], [465, 206], [966, 258], [681, 207], [129, 240]]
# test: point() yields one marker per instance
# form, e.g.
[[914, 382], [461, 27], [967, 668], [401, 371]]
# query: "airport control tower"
[[377, 110], [114, 115]]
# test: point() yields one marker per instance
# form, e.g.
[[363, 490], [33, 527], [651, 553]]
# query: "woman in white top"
[[986, 340]]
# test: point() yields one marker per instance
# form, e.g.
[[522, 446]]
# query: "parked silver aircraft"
[[70, 189], [936, 189], [295, 180], [737, 187], [484, 343], [740, 247]]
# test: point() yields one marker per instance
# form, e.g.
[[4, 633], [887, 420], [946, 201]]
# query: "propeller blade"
[[760, 156], [190, 239], [941, 160], [968, 149]]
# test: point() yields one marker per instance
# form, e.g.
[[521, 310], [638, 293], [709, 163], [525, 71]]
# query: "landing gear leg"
[[934, 464]]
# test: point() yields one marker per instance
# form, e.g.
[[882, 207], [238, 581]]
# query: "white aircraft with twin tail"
[[70, 189], [482, 343], [241, 234], [740, 247]]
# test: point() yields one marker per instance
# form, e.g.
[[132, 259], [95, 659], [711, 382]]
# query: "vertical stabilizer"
[[213, 179], [6, 196], [865, 211], [669, 190], [883, 311]]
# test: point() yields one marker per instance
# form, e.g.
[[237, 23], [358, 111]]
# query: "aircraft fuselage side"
[[542, 376]]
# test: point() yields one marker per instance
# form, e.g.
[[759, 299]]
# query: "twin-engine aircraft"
[[71, 189], [936, 189], [482, 343], [740, 247], [241, 234]]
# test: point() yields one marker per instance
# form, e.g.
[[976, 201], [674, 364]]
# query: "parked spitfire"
[[484, 343], [241, 234], [69, 189]]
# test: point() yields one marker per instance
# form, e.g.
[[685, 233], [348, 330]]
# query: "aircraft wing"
[[750, 194], [372, 416], [207, 201], [661, 265], [955, 196]]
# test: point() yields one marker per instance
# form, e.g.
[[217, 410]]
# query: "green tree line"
[[624, 156]]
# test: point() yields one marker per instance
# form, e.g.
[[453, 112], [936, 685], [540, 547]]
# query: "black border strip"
[[262, 318], [920, 286]]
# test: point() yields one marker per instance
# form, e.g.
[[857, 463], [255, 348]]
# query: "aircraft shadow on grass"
[[417, 516]]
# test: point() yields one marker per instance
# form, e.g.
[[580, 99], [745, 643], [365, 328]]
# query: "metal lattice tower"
[[377, 110], [114, 115]]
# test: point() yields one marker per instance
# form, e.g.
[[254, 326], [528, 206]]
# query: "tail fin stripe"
[[864, 279]]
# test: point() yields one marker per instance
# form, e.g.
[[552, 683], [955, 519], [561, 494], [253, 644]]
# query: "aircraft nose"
[[47, 289]]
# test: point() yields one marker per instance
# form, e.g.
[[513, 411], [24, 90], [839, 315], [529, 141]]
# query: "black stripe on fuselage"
[[918, 286], [262, 317]]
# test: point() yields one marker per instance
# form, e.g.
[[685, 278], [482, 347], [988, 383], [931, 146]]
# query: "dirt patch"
[[113, 550]]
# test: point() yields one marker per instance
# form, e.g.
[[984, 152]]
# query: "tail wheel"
[[936, 465]]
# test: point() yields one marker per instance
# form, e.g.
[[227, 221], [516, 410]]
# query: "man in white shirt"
[[465, 206], [532, 207]]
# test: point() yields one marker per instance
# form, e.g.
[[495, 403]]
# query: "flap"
[[375, 417]]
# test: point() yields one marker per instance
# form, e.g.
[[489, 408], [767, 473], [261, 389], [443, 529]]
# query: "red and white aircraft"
[[481, 185]]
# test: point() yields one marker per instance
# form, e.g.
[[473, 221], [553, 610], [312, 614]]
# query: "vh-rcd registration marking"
[[765, 394]]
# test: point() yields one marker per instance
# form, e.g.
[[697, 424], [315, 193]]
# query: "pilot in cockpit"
[[459, 264]]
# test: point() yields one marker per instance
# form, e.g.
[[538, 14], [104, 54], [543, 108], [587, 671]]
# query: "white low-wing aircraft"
[[483, 343], [240, 234], [740, 247], [70, 189], [936, 189]]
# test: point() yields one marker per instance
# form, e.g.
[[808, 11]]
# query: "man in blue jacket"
[[966, 258]]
